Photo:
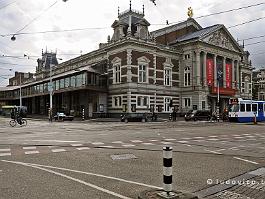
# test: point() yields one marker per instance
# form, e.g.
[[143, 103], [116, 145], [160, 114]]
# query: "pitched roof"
[[199, 34]]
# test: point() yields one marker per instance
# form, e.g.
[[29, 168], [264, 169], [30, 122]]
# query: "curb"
[[155, 194]]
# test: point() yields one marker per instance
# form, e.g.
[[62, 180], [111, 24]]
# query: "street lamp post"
[[51, 92], [219, 74]]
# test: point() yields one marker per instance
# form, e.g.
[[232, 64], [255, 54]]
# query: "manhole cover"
[[123, 157]]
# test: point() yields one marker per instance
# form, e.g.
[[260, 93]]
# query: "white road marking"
[[5, 150], [87, 173], [58, 150], [128, 145], [182, 141], [153, 140], [83, 148], [198, 137], [187, 145], [166, 143], [74, 179], [53, 141], [5, 154], [213, 139], [29, 147], [97, 143], [148, 144], [252, 162], [31, 152], [76, 144], [215, 152], [117, 142], [136, 141], [170, 139]]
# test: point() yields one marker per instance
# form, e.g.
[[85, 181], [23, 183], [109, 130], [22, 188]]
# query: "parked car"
[[62, 117], [134, 117], [198, 115]]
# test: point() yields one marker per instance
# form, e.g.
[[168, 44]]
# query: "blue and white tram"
[[246, 110]]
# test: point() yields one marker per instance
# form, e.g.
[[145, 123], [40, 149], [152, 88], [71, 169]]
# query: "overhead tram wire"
[[7, 5], [250, 38], [162, 24], [246, 22]]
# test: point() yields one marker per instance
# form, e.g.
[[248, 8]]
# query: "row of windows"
[[141, 102], [252, 107], [68, 82], [142, 74]]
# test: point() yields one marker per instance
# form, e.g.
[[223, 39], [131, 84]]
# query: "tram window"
[[242, 108], [248, 107], [254, 107]]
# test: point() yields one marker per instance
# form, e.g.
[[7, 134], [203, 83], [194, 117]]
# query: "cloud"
[[102, 13]]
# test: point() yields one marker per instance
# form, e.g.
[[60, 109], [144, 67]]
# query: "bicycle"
[[14, 122]]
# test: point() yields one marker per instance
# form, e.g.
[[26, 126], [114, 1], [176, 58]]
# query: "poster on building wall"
[[228, 78], [220, 74], [210, 71]]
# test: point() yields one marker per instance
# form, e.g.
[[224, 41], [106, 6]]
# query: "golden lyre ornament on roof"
[[190, 12]]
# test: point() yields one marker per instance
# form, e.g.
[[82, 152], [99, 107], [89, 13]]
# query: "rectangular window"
[[142, 101], [142, 74], [242, 108], [117, 101], [248, 107], [243, 87], [203, 105], [117, 73], [168, 77], [67, 82], [61, 83], [57, 85], [187, 102], [79, 80], [254, 107], [249, 88], [73, 81], [167, 104]]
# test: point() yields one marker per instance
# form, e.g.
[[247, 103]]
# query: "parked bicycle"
[[21, 122]]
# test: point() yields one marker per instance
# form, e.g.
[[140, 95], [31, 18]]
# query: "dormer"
[[131, 23]]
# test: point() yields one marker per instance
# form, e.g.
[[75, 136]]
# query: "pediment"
[[222, 38]]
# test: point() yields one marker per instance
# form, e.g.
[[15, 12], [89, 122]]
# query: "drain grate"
[[249, 185], [123, 157]]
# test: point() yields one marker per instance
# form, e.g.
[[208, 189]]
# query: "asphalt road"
[[117, 160]]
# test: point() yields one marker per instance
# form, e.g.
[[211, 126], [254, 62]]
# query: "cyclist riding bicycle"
[[17, 115]]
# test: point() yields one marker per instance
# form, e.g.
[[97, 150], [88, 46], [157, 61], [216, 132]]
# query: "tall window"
[[142, 73], [243, 87], [167, 76], [167, 104], [187, 102], [249, 88], [187, 76], [117, 101], [117, 73], [142, 101]]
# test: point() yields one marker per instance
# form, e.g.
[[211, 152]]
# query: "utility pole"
[[20, 93]]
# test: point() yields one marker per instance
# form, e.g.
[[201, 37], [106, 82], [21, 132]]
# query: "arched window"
[[187, 76]]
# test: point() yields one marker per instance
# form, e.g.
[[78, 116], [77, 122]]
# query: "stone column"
[[204, 69], [215, 70], [224, 72], [233, 74], [198, 68]]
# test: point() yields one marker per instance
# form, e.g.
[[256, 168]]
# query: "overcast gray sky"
[[101, 14]]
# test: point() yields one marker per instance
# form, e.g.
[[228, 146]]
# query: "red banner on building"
[[224, 91], [228, 77], [210, 71]]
